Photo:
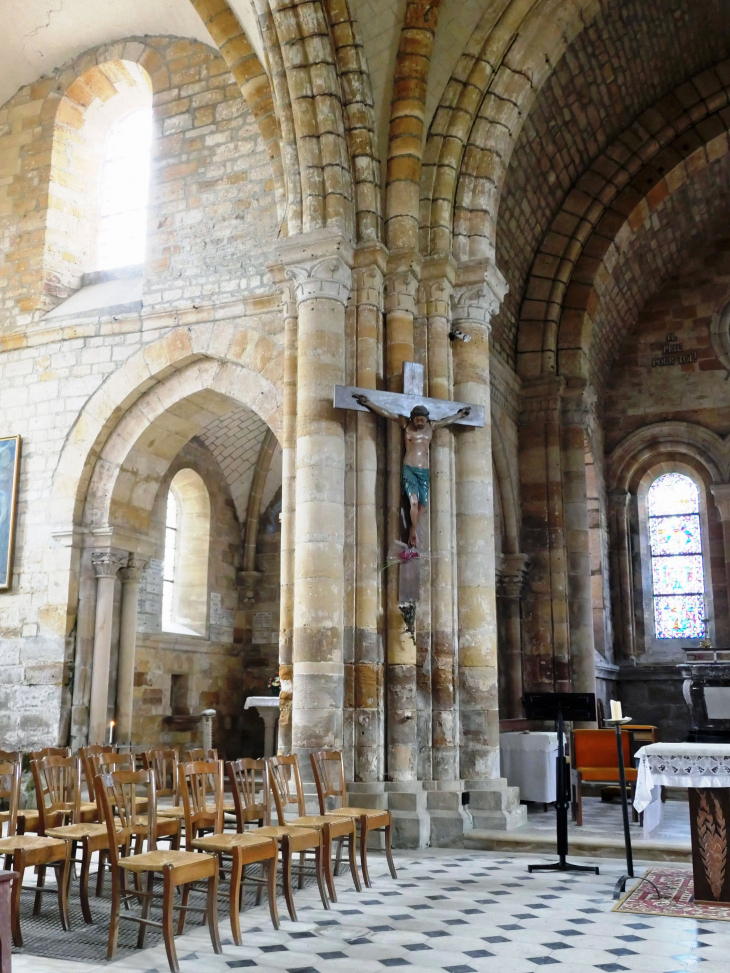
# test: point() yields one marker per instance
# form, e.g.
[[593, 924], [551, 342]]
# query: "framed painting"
[[9, 470]]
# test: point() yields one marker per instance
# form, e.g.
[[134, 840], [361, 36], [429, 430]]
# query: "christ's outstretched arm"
[[379, 410], [448, 420]]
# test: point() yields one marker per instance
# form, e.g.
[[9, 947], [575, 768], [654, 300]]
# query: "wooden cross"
[[402, 403], [411, 396]]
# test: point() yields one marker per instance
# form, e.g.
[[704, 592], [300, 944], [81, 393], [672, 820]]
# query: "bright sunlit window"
[[168, 572], [124, 189]]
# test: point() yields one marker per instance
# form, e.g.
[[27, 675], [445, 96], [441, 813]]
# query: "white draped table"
[[528, 762], [703, 768]]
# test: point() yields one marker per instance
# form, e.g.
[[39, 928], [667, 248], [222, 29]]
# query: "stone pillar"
[[545, 615], [130, 575], [368, 277], [319, 263], [576, 403], [622, 582], [475, 300], [106, 565], [510, 582], [477, 296], [721, 493], [288, 510]]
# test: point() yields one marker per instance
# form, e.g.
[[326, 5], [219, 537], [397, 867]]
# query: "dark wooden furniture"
[[6, 942]]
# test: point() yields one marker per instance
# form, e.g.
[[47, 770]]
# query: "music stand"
[[579, 707]]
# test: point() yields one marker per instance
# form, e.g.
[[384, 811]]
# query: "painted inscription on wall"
[[673, 354]]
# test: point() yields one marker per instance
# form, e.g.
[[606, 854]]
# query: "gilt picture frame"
[[9, 476]]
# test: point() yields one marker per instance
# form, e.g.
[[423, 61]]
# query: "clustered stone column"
[[106, 566], [511, 575], [477, 297], [622, 583], [320, 266], [130, 576]]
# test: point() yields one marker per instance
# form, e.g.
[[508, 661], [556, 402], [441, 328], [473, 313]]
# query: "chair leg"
[[234, 895], [327, 863], [353, 859], [146, 907], [212, 913], [19, 867], [259, 886], [111, 948], [100, 874], [389, 851], [84, 882], [302, 861], [6, 935], [62, 881], [320, 877], [338, 863], [40, 884], [364, 851], [183, 912], [168, 903], [286, 854], [271, 870]]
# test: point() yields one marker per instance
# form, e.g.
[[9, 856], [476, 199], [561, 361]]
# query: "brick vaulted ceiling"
[[623, 62]]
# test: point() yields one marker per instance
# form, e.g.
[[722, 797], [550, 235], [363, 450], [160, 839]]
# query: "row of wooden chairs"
[[176, 795]]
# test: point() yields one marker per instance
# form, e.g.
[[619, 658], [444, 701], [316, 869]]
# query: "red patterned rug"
[[676, 888]]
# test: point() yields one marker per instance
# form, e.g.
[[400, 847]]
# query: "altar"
[[704, 769]]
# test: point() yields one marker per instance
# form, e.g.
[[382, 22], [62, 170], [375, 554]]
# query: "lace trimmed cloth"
[[680, 765]]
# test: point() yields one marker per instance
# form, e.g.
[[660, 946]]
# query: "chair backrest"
[[286, 784], [116, 794], [58, 790], [249, 780], [49, 752], [328, 767], [11, 763], [86, 753], [200, 754], [165, 764], [597, 748], [201, 785]]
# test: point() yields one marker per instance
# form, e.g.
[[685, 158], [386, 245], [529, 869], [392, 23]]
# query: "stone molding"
[[541, 399], [133, 569], [106, 564]]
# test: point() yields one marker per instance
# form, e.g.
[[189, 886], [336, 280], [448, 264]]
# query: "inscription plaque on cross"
[[418, 416]]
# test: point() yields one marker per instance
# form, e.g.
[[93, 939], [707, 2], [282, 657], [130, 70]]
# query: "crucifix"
[[418, 416]]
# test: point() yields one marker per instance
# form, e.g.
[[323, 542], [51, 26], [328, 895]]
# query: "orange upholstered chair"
[[594, 758]]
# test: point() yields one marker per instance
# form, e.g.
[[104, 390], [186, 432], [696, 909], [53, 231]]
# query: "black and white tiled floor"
[[451, 911]]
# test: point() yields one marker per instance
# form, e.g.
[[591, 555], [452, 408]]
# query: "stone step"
[[593, 846]]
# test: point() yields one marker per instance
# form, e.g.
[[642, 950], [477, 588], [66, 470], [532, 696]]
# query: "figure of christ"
[[417, 434]]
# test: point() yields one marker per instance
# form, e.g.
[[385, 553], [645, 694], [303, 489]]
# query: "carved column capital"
[[400, 291], [106, 564], [328, 277], [512, 574], [579, 402], [478, 295], [436, 296], [133, 569], [368, 285], [619, 499]]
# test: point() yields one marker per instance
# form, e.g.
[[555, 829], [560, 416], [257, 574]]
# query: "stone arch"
[[246, 366], [509, 56], [666, 146], [629, 459]]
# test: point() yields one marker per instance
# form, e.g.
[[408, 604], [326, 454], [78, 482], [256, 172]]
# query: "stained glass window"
[[168, 570], [673, 504]]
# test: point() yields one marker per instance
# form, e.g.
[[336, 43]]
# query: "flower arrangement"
[[275, 684]]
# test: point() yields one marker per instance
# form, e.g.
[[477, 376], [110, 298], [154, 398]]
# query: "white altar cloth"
[[528, 762], [677, 765]]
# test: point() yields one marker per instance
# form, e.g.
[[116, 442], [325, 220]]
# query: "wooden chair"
[[58, 786], [165, 765], [249, 784], [177, 868], [329, 778], [30, 851], [241, 849], [285, 770], [199, 754], [86, 753], [593, 758], [27, 819]]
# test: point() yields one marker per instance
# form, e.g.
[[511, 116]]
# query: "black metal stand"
[[621, 884], [562, 804]]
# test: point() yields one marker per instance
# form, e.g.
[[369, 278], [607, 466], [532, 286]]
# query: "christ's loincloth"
[[416, 481]]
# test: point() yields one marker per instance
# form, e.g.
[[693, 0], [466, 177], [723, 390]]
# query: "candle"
[[616, 710], [111, 732]]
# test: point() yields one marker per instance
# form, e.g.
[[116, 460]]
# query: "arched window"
[[124, 188], [185, 566], [675, 539]]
